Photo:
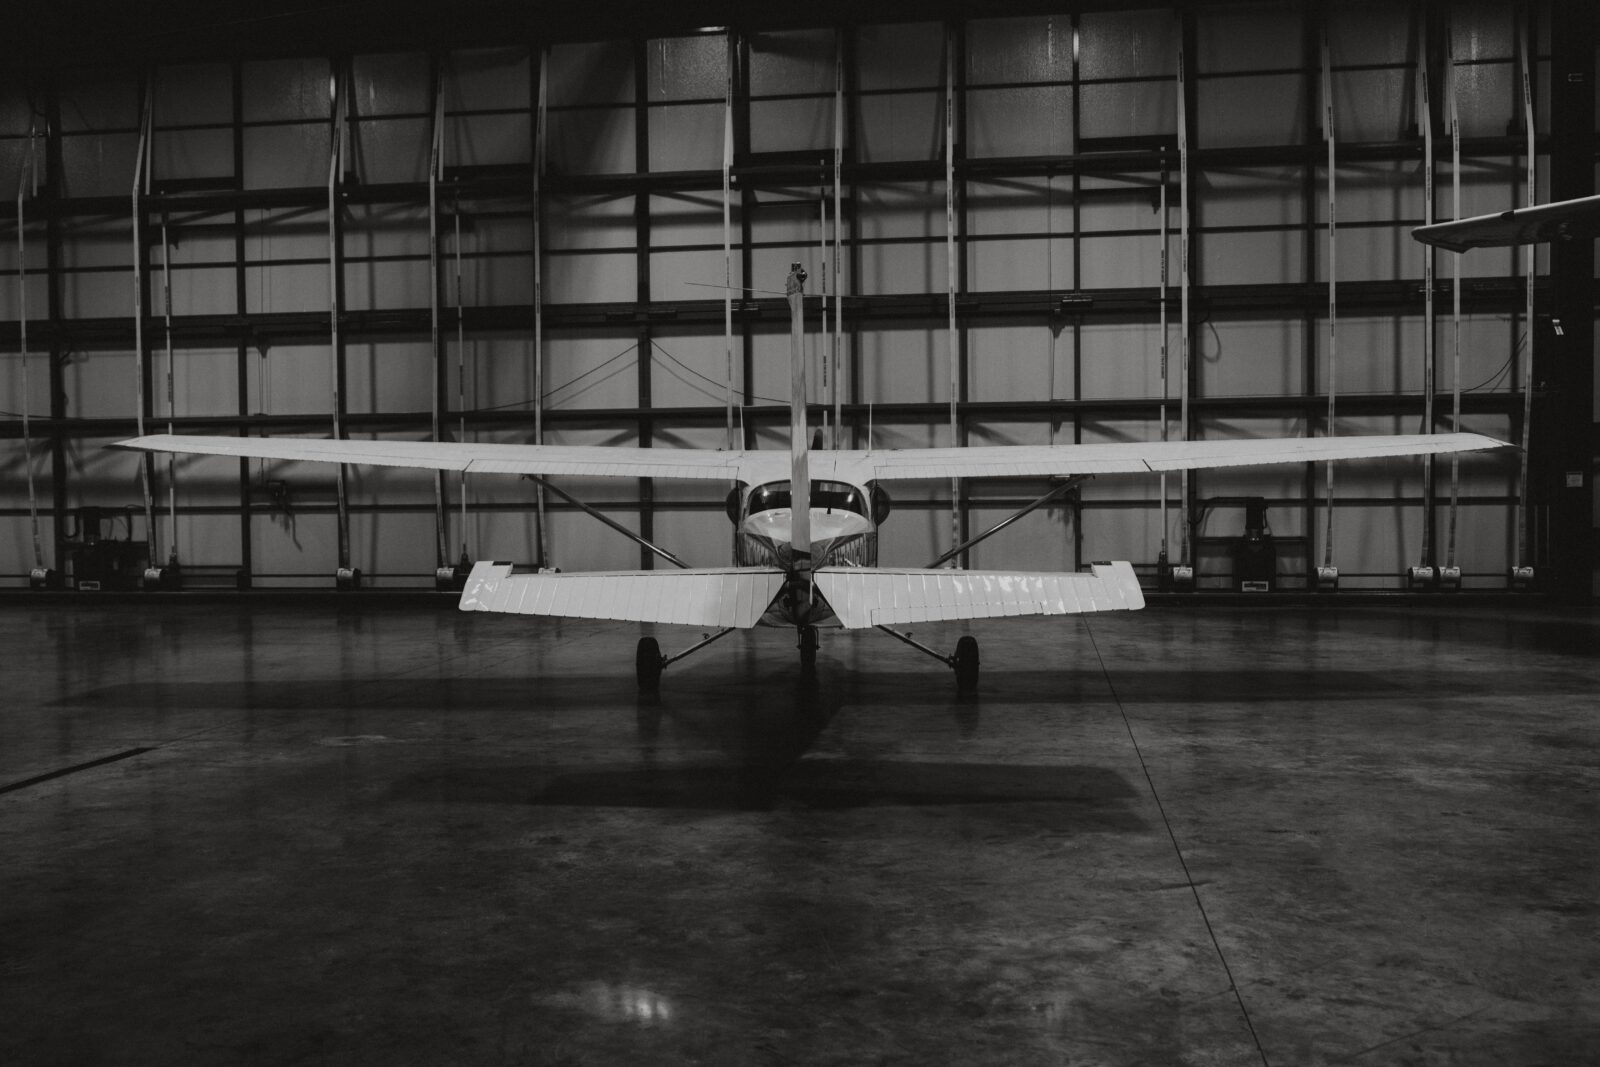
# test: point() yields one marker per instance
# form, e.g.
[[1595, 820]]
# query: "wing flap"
[[871, 596], [735, 596]]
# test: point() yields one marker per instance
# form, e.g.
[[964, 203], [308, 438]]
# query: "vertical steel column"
[[172, 396], [727, 238], [245, 577], [335, 308], [141, 186], [1183, 282], [435, 167], [28, 181], [642, 242], [1332, 361], [540, 155], [1455, 296], [838, 222], [950, 266], [1529, 253], [1161, 303]]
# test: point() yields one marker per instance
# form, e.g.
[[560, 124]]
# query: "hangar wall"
[[575, 246]]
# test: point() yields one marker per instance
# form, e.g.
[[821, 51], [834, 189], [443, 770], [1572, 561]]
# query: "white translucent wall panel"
[[579, 542], [1019, 121], [1120, 261], [98, 164], [106, 477], [287, 89], [205, 381], [390, 376], [374, 276], [912, 216], [394, 83], [291, 380], [390, 150], [201, 481], [288, 156], [192, 95], [1011, 50], [202, 272], [1250, 37], [485, 79], [591, 72], [489, 140], [591, 140], [100, 384], [1026, 208], [700, 538], [389, 485], [298, 550], [1261, 258], [500, 374], [1019, 361], [1124, 359], [1252, 357], [1265, 109], [686, 137], [35, 259], [1041, 541], [37, 398], [687, 68], [1377, 203], [912, 536], [271, 285], [1130, 533], [792, 64], [1486, 346], [1487, 186], [591, 277], [206, 540], [1128, 44], [591, 371], [691, 370], [905, 365], [1372, 104], [191, 154], [289, 287], [577, 223], [900, 56], [1129, 109], [901, 126]]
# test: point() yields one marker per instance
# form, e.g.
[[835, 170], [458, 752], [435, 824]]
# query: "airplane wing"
[[1127, 457], [728, 596], [594, 461], [1565, 220], [873, 596], [858, 466]]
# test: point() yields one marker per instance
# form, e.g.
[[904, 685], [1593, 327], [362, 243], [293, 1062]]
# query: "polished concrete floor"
[[375, 830]]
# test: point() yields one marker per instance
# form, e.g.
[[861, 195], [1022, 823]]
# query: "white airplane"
[[1564, 220], [806, 550]]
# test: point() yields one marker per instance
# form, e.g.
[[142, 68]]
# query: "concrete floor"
[[375, 830]]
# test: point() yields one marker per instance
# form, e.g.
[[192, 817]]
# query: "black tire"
[[648, 666], [966, 665], [808, 647]]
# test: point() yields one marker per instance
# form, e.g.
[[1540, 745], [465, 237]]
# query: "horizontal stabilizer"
[[870, 596], [731, 596]]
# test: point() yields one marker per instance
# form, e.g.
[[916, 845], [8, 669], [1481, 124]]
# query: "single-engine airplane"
[[806, 550]]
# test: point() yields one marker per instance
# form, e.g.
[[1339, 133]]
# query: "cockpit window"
[[828, 496]]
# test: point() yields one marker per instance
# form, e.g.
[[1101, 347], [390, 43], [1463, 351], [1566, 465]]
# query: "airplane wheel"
[[966, 665], [647, 665], [808, 647]]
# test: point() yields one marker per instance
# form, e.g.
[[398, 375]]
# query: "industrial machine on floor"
[[806, 521]]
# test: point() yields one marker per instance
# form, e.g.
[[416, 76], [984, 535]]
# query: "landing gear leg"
[[648, 664], [808, 648]]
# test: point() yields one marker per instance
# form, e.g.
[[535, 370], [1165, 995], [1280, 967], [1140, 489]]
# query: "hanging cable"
[[1529, 264]]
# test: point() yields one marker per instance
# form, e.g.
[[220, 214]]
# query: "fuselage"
[[842, 532]]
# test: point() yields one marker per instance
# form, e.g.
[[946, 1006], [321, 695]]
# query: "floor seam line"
[[1194, 890]]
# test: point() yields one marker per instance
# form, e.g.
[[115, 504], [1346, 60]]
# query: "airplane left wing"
[[728, 596], [873, 596]]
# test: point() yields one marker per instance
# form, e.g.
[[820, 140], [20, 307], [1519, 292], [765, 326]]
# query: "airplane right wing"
[[724, 597], [1564, 220], [875, 596]]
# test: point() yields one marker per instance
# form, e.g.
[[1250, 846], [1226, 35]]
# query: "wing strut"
[[613, 523], [1013, 517]]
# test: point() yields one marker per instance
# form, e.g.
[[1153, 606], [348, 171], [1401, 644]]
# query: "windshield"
[[827, 496]]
